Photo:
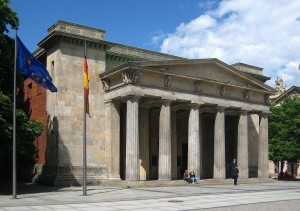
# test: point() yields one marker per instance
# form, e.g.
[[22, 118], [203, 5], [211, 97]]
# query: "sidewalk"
[[137, 194], [27, 188]]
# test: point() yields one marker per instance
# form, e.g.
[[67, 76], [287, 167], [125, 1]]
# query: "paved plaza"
[[255, 196]]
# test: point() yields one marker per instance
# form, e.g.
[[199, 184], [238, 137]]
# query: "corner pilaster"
[[112, 139]]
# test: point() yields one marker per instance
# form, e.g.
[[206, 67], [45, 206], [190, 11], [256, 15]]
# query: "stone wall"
[[65, 115]]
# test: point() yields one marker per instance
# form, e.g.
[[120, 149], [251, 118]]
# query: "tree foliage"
[[8, 17], [26, 130], [284, 130]]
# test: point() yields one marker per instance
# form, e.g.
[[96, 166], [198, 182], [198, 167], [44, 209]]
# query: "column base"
[[68, 175]]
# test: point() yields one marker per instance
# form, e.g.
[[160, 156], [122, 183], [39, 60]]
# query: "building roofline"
[[247, 65], [51, 28], [54, 34], [283, 95], [112, 44]]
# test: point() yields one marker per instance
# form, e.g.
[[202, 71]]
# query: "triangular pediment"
[[211, 71]]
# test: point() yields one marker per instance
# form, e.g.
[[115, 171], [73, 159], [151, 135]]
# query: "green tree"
[[27, 130], [284, 131], [7, 17]]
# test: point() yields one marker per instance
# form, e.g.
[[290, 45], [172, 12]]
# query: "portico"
[[174, 120]]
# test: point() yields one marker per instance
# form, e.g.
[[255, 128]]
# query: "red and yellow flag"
[[86, 85]]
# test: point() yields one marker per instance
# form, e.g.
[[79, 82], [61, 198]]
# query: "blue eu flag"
[[28, 65]]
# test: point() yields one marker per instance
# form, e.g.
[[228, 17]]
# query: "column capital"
[[134, 98], [194, 105], [166, 102]]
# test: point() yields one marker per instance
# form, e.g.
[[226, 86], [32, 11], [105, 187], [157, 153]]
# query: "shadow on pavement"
[[6, 188]]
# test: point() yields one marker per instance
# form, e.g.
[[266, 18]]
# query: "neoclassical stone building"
[[151, 113]]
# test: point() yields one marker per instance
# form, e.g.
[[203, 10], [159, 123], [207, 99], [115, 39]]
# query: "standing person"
[[232, 167], [235, 174], [193, 178], [233, 164]]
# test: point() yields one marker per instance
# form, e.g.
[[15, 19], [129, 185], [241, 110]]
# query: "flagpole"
[[14, 123], [84, 133]]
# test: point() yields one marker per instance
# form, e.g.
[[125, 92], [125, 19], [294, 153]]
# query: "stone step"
[[162, 183]]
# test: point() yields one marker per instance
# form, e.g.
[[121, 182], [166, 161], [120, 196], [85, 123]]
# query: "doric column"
[[242, 145], [200, 144], [132, 139], [112, 139], [144, 143], [164, 165], [219, 145], [174, 144], [263, 151], [194, 141]]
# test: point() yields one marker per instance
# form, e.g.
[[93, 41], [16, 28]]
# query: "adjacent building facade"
[[281, 94], [152, 114]]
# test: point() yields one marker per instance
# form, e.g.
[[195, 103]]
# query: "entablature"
[[162, 80]]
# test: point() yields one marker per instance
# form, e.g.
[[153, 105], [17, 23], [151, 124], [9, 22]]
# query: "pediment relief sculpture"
[[131, 77]]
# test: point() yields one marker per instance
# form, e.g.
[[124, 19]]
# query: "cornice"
[[56, 36]]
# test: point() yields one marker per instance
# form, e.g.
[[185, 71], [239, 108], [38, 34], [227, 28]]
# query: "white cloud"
[[207, 4], [158, 37], [262, 33]]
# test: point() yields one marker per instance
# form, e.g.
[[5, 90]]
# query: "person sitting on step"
[[193, 178], [186, 176]]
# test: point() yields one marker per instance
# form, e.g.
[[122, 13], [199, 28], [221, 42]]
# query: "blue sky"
[[131, 22], [262, 33]]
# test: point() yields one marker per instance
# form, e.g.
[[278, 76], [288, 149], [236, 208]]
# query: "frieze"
[[168, 81], [131, 77], [223, 91], [267, 99], [106, 84], [247, 95], [197, 87]]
